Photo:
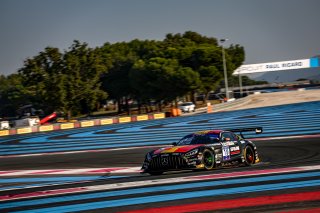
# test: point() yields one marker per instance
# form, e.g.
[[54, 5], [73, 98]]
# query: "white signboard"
[[273, 66]]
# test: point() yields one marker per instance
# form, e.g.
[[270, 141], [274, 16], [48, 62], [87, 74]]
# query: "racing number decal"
[[225, 152]]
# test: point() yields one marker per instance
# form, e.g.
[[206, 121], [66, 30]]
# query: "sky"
[[269, 30]]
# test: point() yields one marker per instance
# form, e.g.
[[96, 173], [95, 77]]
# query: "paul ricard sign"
[[273, 66]]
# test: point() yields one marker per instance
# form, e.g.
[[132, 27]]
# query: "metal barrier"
[[81, 124]]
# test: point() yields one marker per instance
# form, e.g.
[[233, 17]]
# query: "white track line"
[[70, 171], [146, 183]]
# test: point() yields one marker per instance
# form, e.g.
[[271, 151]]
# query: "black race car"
[[204, 150]]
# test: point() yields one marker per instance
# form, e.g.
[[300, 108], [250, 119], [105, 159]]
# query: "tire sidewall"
[[205, 152], [248, 163]]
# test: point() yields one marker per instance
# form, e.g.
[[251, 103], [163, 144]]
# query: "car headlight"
[[193, 152]]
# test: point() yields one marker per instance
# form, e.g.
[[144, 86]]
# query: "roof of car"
[[207, 132]]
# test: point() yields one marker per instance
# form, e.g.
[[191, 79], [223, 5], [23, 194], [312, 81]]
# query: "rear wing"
[[258, 130]]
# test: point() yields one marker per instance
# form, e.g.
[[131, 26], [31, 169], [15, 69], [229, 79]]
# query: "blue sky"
[[272, 30]]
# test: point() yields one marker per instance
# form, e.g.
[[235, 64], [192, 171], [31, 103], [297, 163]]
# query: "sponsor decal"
[[67, 126], [192, 159], [227, 143], [124, 119], [159, 116], [142, 117], [235, 152], [225, 152], [273, 66], [87, 123], [234, 148], [46, 128], [24, 130], [4, 132], [106, 121]]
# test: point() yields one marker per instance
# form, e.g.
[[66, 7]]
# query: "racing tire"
[[249, 156], [155, 173], [208, 159]]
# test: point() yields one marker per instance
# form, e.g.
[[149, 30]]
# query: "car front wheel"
[[208, 159]]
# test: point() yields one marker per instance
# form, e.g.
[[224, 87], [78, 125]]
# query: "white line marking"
[[159, 182], [71, 171]]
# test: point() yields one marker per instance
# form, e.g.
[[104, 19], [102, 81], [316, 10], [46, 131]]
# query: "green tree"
[[80, 85], [116, 81], [12, 94], [75, 80], [162, 79], [237, 56], [41, 75], [68, 81], [246, 81]]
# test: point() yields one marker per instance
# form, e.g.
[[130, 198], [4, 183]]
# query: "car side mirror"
[[174, 143]]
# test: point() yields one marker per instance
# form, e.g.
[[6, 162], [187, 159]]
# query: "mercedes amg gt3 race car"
[[204, 150]]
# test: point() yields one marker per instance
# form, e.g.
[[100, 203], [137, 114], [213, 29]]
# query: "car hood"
[[176, 149]]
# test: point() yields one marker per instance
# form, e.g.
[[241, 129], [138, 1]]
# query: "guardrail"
[[80, 124], [113, 120], [222, 106], [226, 105]]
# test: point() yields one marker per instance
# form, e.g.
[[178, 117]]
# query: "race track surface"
[[97, 169]]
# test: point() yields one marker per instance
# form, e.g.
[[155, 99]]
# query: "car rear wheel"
[[249, 158], [208, 159]]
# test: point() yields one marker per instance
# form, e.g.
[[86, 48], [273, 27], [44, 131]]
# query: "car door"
[[230, 146]]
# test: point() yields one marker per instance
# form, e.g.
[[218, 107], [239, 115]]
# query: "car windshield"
[[197, 139]]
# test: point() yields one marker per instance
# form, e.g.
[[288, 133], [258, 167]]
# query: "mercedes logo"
[[164, 161]]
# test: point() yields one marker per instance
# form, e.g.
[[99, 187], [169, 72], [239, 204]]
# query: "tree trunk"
[[127, 106], [119, 105], [69, 115], [159, 107], [206, 97], [193, 96], [139, 106], [146, 107]]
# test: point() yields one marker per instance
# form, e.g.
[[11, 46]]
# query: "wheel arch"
[[253, 150]]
